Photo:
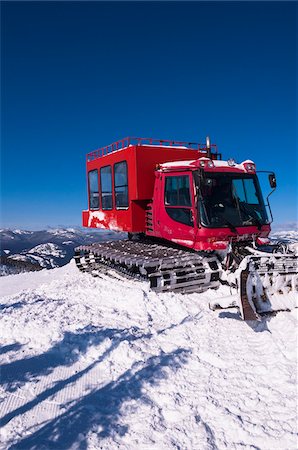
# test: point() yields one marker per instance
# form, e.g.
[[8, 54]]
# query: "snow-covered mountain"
[[104, 363], [288, 236], [23, 250]]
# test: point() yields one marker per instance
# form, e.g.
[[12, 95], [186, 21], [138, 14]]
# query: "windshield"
[[231, 200]]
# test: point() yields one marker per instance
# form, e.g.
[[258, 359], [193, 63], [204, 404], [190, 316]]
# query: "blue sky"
[[77, 76]]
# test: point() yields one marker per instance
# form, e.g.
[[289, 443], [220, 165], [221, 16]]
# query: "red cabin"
[[121, 180], [178, 191]]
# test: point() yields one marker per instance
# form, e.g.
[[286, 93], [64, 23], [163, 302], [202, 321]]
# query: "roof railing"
[[129, 141]]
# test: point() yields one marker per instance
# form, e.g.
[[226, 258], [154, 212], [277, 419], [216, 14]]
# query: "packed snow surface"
[[103, 363]]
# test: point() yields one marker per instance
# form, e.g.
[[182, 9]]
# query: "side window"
[[93, 189], [177, 191], [178, 199], [106, 187], [121, 185]]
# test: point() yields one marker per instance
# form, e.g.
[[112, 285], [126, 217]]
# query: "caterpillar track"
[[265, 282], [166, 268]]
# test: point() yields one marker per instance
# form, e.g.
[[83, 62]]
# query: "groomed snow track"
[[167, 268]]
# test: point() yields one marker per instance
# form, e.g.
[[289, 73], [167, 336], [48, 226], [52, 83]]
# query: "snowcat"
[[194, 221]]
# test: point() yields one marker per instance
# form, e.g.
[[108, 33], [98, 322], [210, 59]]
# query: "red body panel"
[[141, 162], [164, 226], [146, 186]]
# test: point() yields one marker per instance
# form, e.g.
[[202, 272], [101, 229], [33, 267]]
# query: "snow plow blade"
[[267, 283]]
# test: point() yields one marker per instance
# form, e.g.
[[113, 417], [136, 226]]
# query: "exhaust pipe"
[[208, 147]]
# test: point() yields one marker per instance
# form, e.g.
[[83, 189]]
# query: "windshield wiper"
[[254, 217]]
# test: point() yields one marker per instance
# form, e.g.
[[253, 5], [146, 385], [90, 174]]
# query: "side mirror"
[[272, 180]]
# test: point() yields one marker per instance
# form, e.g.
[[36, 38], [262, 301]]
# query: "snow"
[[7, 270], [19, 257], [65, 232], [14, 284], [104, 363], [46, 255], [192, 163], [291, 235], [48, 249], [21, 231], [99, 215], [188, 163]]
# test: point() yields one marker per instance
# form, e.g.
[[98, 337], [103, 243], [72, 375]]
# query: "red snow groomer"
[[193, 221]]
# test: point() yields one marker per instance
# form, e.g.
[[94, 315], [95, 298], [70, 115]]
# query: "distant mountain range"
[[23, 250]]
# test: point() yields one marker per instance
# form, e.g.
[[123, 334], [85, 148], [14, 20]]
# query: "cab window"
[[106, 187], [121, 185], [178, 199], [93, 189]]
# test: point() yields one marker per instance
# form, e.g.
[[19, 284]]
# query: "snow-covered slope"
[[91, 363]]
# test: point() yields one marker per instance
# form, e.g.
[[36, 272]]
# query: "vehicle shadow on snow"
[[229, 315], [100, 411], [9, 348], [256, 325], [66, 352], [18, 305]]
